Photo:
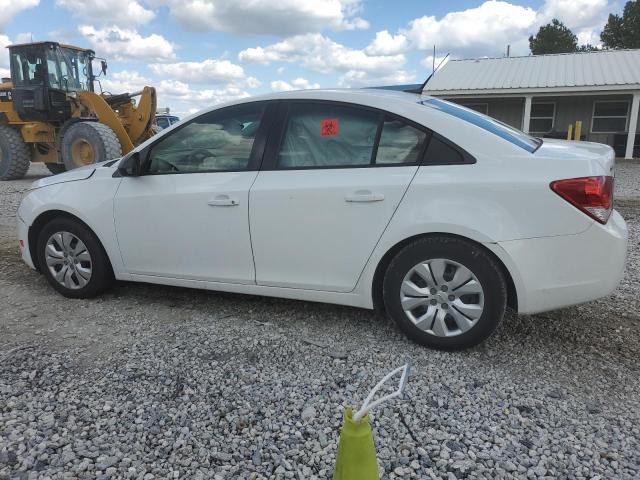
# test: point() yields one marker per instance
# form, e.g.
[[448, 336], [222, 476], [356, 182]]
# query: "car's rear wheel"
[[445, 292], [72, 259]]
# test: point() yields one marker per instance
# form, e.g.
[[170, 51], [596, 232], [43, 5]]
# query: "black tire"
[[103, 142], [464, 253], [15, 155], [56, 168], [102, 274]]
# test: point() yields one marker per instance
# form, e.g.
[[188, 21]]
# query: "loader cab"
[[43, 74]]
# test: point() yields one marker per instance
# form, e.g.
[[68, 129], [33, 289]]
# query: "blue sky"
[[201, 52]]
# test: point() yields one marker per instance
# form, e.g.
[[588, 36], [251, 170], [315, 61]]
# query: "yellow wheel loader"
[[50, 113]]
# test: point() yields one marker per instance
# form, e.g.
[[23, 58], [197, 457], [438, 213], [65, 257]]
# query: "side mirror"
[[103, 67], [130, 165]]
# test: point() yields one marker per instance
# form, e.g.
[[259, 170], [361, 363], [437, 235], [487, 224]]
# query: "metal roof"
[[568, 72]]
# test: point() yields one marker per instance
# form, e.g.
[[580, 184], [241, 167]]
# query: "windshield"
[[502, 130], [69, 69]]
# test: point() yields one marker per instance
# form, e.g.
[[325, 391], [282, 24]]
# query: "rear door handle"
[[364, 196], [223, 201]]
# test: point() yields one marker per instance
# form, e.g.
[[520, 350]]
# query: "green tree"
[[623, 31], [586, 48], [553, 38]]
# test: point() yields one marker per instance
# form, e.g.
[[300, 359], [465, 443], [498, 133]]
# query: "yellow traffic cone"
[[356, 459]]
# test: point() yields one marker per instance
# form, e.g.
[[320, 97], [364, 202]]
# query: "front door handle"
[[364, 196], [223, 201]]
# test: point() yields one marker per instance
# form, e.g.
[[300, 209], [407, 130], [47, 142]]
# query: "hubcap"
[[68, 260], [442, 297], [82, 153]]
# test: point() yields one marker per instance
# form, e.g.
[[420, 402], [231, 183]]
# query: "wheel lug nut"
[[445, 306], [433, 291], [452, 298], [434, 302], [444, 288]]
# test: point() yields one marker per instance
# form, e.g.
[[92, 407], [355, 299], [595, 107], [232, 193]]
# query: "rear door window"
[[321, 135], [328, 135]]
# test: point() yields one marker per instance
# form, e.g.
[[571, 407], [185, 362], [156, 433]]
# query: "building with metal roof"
[[547, 95]]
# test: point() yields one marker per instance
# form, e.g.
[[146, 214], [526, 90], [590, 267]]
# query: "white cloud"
[[281, 86], [589, 36], [25, 37], [297, 84], [321, 54], [480, 31], [356, 23], [123, 81], [182, 99], [487, 29], [281, 18], [429, 63], [117, 12], [576, 13], [209, 71], [179, 96], [122, 44], [387, 44], [359, 78], [4, 55], [11, 8]]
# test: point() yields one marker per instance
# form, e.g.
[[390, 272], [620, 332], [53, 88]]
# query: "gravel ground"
[[627, 183], [159, 382]]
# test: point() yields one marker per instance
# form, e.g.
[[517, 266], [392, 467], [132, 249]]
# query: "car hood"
[[76, 174]]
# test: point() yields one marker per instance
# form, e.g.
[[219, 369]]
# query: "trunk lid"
[[601, 156]]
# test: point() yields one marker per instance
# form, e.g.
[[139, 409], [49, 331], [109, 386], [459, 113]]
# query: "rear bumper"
[[555, 272], [23, 239]]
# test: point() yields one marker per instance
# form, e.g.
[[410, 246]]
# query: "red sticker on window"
[[329, 128]]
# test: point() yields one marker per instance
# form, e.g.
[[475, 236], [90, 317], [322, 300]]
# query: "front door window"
[[214, 142]]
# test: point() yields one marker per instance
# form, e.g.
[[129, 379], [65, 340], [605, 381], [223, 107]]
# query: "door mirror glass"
[[130, 166]]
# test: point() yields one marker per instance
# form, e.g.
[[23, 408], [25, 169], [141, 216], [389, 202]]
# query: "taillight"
[[592, 195]]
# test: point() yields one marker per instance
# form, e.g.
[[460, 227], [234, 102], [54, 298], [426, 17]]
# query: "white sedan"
[[439, 215]]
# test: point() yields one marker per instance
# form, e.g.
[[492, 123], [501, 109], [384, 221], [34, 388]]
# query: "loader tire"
[[15, 155], [85, 143]]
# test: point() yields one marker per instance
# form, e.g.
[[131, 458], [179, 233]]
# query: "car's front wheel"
[[445, 292], [72, 259]]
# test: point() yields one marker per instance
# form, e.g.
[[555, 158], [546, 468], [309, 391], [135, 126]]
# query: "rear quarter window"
[[439, 153]]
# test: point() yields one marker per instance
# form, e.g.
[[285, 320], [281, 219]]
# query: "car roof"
[[389, 100], [359, 95]]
